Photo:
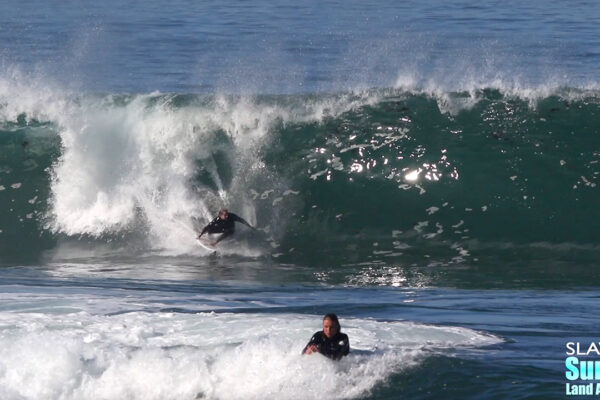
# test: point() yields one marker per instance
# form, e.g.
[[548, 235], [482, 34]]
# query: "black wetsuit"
[[224, 226], [334, 348]]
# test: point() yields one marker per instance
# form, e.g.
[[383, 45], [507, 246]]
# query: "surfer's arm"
[[204, 230], [237, 218], [207, 227], [313, 345], [344, 349]]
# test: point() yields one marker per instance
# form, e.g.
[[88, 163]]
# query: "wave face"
[[380, 176]]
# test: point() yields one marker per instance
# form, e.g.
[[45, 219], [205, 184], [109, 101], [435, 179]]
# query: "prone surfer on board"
[[330, 341], [224, 223]]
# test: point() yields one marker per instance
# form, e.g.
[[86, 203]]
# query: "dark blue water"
[[427, 170], [287, 47]]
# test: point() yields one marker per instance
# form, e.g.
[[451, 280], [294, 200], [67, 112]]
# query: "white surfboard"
[[205, 245]]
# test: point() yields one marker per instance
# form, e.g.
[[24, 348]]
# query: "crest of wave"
[[461, 87]]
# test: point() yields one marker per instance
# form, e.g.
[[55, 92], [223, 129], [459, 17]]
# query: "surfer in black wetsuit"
[[330, 341], [224, 223]]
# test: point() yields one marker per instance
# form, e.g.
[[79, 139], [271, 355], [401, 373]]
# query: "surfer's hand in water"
[[312, 349]]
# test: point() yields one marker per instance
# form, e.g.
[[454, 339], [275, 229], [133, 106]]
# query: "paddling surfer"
[[330, 341]]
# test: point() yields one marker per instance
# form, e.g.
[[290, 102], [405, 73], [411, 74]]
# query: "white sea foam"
[[143, 355], [463, 87]]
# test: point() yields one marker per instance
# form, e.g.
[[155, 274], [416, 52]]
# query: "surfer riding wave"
[[224, 223]]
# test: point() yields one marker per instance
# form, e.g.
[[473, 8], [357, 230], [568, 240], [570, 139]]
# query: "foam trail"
[[212, 356]]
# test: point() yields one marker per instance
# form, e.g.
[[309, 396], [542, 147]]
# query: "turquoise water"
[[427, 171]]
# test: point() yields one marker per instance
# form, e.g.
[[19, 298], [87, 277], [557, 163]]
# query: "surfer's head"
[[223, 213], [331, 325]]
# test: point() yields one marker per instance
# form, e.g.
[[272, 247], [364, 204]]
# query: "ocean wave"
[[415, 167]]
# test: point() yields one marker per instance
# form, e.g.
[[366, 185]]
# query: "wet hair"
[[223, 210], [333, 319]]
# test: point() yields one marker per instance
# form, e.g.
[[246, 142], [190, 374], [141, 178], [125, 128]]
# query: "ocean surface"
[[428, 170]]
